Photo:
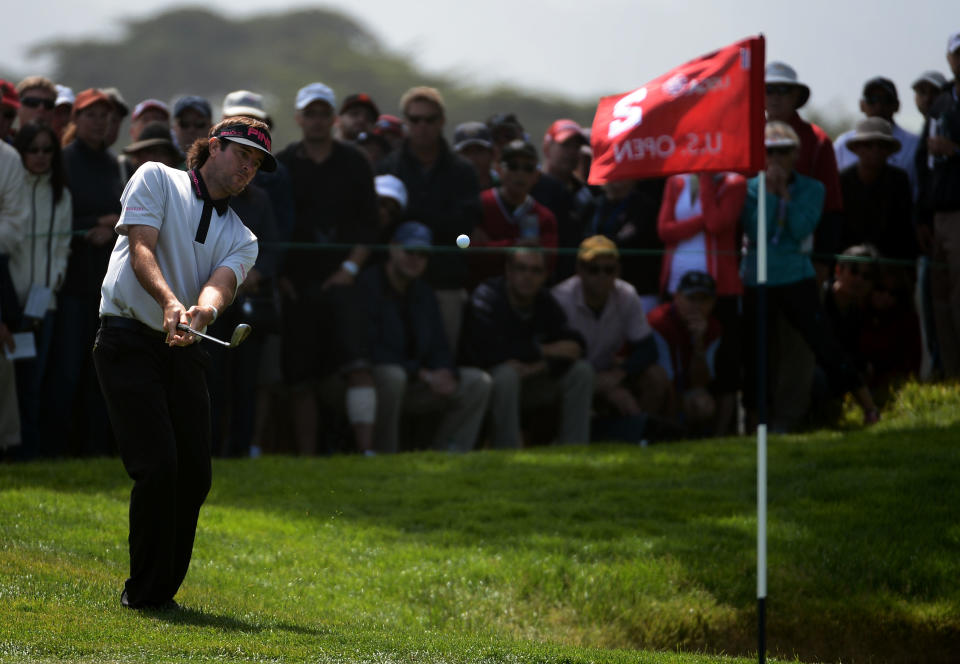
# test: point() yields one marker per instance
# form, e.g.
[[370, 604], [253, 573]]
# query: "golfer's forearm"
[[148, 273], [218, 292]]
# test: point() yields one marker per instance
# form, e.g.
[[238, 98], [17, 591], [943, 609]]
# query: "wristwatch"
[[350, 267]]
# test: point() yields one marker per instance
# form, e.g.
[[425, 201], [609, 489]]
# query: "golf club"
[[240, 332]]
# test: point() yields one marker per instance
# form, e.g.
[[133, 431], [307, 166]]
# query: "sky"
[[584, 49]]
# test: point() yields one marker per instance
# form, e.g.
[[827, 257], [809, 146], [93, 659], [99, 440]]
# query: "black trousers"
[[799, 303], [160, 410]]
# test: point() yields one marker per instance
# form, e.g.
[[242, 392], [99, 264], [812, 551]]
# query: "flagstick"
[[762, 417]]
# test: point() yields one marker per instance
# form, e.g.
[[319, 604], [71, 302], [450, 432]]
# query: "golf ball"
[[463, 241]]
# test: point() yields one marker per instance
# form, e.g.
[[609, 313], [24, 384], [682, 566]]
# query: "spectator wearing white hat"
[[63, 106], [815, 158], [336, 218], [943, 145]]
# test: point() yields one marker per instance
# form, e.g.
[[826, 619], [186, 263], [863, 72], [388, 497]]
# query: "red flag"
[[706, 115]]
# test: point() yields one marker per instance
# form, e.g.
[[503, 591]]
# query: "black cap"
[[360, 99], [694, 282], [880, 82], [518, 148], [472, 133], [154, 134]]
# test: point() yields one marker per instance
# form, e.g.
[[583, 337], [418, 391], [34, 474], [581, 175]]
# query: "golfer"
[[180, 255]]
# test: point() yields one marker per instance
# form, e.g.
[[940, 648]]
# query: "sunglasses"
[[417, 253], [422, 119], [779, 89], [594, 270], [40, 149], [36, 102], [879, 99], [193, 125], [873, 145], [779, 151], [526, 166]]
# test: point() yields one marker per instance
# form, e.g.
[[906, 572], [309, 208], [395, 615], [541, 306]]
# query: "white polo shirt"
[[621, 322], [167, 199]]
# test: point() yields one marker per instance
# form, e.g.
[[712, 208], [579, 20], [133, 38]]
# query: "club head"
[[240, 332]]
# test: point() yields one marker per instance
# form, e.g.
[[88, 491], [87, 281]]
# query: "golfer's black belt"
[[132, 325]]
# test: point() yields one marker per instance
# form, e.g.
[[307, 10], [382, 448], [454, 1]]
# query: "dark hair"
[[25, 137], [199, 152]]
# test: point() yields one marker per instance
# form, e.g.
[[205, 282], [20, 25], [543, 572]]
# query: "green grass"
[[566, 555]]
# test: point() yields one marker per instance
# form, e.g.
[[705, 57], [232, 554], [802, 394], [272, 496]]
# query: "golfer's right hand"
[[174, 314]]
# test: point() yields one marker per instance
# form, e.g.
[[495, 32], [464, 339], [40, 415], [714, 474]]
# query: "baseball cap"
[[884, 84], [89, 97], [360, 99], [413, 234], [518, 148], [146, 104], [597, 245], [953, 42], [65, 96], [253, 137], [696, 282], [315, 92], [118, 101], [471, 133], [934, 78], [390, 186], [8, 95], [199, 104], [244, 102], [564, 129], [387, 125]]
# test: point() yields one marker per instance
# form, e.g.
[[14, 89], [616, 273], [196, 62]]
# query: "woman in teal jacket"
[[794, 205]]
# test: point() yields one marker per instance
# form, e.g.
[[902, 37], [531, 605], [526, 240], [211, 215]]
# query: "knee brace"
[[361, 405]]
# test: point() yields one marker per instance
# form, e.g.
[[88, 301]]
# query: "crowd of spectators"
[[626, 311]]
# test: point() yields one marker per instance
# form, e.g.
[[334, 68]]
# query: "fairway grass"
[[606, 553]]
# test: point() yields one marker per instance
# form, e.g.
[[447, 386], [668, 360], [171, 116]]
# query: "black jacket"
[[945, 178], [94, 180], [493, 331], [404, 328], [446, 199]]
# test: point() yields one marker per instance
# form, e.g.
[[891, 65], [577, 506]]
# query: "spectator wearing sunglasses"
[[878, 204], [511, 216], [845, 298], [514, 328], [608, 314], [412, 363], [38, 98], [880, 100], [38, 268], [442, 194], [794, 204]]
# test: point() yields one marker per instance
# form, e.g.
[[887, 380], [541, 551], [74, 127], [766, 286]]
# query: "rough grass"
[[582, 554]]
